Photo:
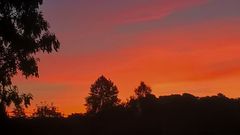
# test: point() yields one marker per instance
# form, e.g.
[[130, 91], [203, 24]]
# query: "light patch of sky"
[[213, 9]]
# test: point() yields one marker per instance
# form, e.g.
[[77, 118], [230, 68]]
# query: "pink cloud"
[[154, 10]]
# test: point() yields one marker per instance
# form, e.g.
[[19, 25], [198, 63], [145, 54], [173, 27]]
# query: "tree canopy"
[[12, 95], [23, 33], [103, 94], [142, 90], [47, 111]]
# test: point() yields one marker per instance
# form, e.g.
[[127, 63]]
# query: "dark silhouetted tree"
[[12, 95], [143, 101], [47, 111], [75, 116], [142, 90], [103, 95], [19, 112], [23, 33]]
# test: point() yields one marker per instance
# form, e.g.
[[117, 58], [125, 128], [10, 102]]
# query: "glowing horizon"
[[190, 46]]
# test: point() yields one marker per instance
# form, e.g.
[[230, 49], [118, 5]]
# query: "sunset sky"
[[175, 46]]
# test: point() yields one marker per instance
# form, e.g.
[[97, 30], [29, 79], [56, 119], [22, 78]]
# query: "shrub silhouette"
[[19, 112], [12, 95], [46, 111]]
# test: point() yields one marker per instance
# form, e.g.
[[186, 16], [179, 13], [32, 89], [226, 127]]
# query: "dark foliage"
[[142, 90], [23, 33], [46, 111], [12, 95], [166, 115], [103, 95], [19, 112]]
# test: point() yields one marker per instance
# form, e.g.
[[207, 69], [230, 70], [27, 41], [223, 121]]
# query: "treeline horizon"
[[52, 111], [142, 114]]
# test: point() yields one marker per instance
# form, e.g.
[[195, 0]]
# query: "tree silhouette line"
[[143, 113]]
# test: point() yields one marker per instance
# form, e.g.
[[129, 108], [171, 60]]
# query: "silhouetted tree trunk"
[[3, 114]]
